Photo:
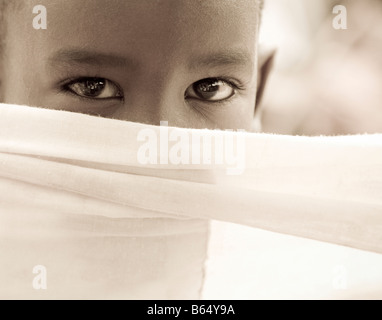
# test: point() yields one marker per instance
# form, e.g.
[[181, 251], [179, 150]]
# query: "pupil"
[[208, 87], [94, 87]]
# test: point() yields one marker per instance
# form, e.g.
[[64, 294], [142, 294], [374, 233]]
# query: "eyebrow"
[[229, 58], [85, 57], [223, 59]]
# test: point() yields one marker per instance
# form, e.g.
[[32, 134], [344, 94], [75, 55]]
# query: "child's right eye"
[[94, 88]]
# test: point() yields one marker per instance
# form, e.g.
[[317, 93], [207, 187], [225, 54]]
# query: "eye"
[[212, 90], [94, 88]]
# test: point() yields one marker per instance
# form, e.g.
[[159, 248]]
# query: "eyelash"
[[233, 83]]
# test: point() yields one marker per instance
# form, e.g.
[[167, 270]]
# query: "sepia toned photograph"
[[190, 150]]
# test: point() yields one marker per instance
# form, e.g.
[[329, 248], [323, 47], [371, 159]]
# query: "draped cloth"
[[110, 221]]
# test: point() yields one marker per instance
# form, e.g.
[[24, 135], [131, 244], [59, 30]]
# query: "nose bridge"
[[156, 97], [151, 109]]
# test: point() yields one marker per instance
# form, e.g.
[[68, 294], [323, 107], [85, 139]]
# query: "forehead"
[[160, 32], [153, 20]]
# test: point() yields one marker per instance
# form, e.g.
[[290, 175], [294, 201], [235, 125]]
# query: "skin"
[[155, 58]]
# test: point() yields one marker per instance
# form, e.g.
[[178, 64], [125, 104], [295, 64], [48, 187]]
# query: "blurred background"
[[325, 81]]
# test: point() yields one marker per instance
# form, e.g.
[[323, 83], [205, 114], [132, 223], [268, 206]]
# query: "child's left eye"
[[94, 88], [211, 90]]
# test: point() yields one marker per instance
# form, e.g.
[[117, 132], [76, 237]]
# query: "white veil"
[[77, 198]]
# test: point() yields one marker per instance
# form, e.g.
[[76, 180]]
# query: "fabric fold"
[[141, 215]]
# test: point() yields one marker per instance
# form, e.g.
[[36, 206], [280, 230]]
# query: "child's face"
[[192, 63]]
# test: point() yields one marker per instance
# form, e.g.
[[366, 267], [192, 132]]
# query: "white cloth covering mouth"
[[76, 198]]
